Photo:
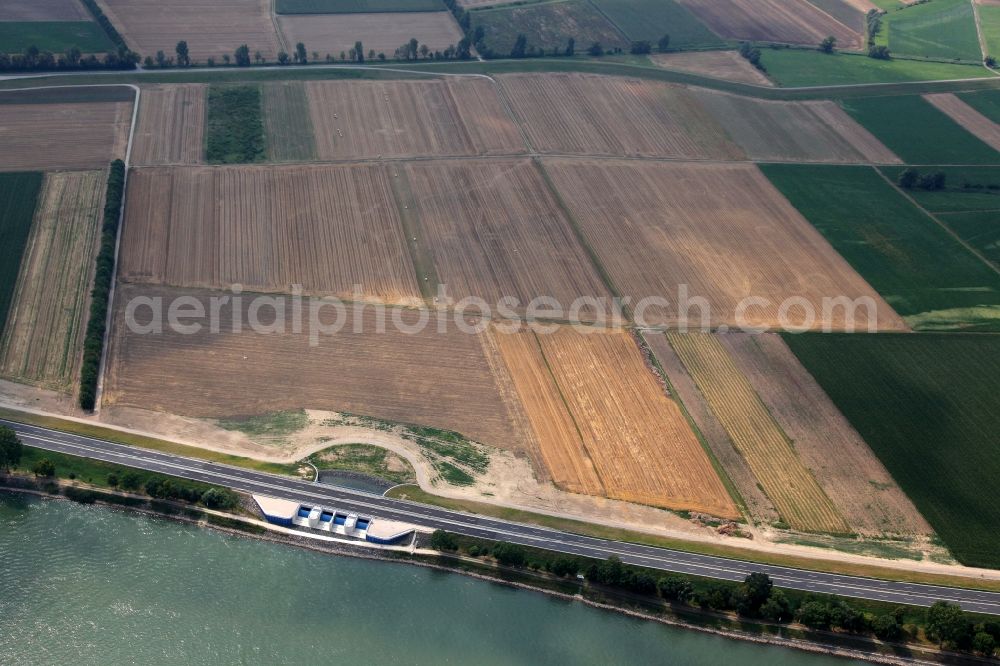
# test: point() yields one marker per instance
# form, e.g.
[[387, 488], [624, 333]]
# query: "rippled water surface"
[[92, 585]]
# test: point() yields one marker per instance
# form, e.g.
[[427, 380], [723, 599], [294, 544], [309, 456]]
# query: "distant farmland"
[[547, 26], [582, 114], [652, 19], [923, 272], [84, 135], [356, 6], [927, 136], [928, 406], [18, 197], [793, 21], [56, 36], [171, 125]]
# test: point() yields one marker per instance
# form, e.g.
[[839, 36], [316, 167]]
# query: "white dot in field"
[[723, 329]]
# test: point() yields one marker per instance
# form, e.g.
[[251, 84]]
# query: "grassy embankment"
[[802, 67], [928, 407], [18, 198], [926, 274], [234, 133]]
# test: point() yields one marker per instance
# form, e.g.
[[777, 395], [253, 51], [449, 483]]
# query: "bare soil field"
[[42, 343], [43, 10], [287, 124], [63, 136], [720, 229], [727, 65], [211, 29], [492, 230], [585, 114], [326, 228], [963, 114], [367, 119], [428, 378], [378, 32], [816, 131], [683, 387], [768, 451], [791, 21], [847, 470], [171, 125], [641, 446]]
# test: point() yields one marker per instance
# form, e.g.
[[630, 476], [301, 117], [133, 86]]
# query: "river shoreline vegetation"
[[756, 600]]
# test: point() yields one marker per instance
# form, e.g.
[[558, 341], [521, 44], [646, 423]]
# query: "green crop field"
[[943, 29], [18, 197], [916, 131], [986, 102], [981, 230], [357, 6], [989, 22], [798, 67], [967, 189], [54, 36], [926, 274], [652, 19], [287, 123], [234, 133], [928, 406], [547, 25]]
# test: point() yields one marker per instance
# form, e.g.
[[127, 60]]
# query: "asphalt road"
[[377, 506]]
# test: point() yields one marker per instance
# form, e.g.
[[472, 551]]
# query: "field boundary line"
[[938, 222], [621, 31], [983, 47]]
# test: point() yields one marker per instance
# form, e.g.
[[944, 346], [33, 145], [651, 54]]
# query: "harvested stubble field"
[[444, 381], [43, 341], [727, 65], [326, 228], [720, 229], [849, 12], [287, 124], [770, 454], [604, 424], [815, 131], [43, 10], [585, 114], [843, 464], [381, 32], [86, 135], [976, 123], [790, 21], [547, 25], [171, 125], [652, 19], [928, 406], [492, 230], [367, 119], [211, 29]]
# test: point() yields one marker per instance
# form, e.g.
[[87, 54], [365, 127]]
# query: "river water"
[[94, 585]]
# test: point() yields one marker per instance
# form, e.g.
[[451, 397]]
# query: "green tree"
[[113, 480], [641, 47], [161, 59], [990, 62], [595, 50], [282, 58], [509, 555], [359, 52], [218, 498], [754, 592], [242, 56], [565, 566], [43, 468], [908, 179], [887, 628], [664, 44], [879, 52], [828, 45], [11, 448], [226, 59], [776, 608], [815, 614], [984, 644], [946, 623], [441, 540], [520, 46], [183, 57], [716, 596], [675, 588], [570, 47], [300, 54]]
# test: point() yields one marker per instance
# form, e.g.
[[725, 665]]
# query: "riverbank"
[[720, 624]]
